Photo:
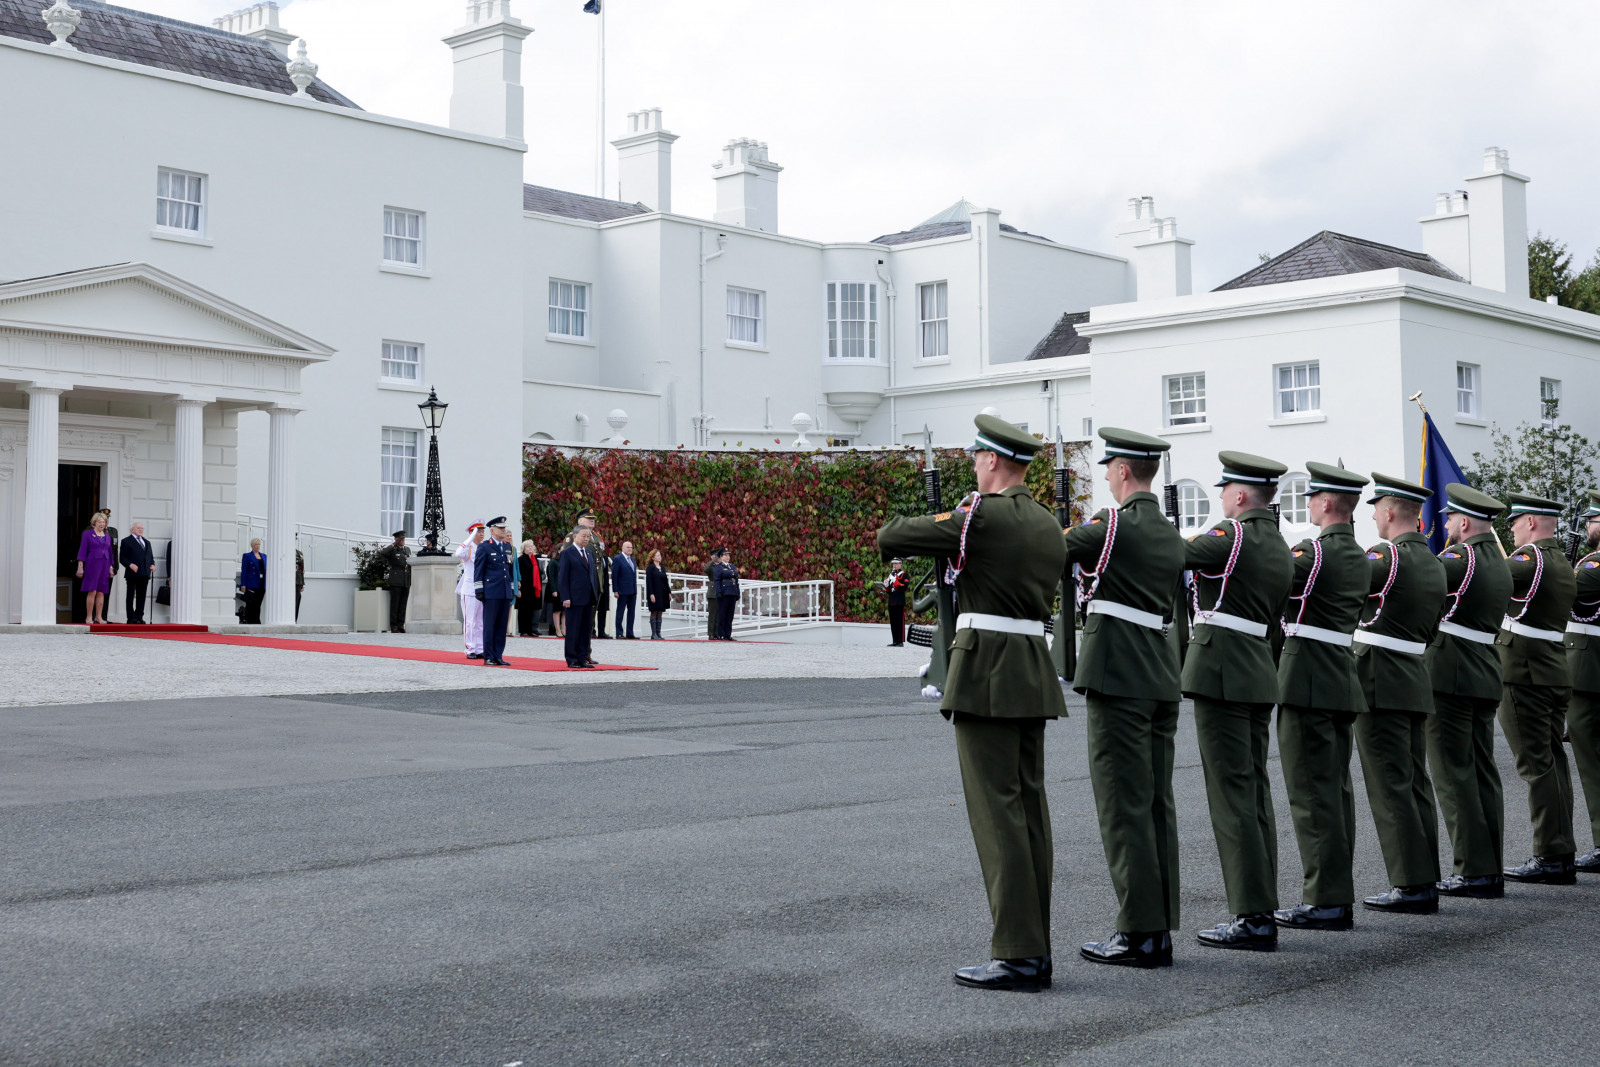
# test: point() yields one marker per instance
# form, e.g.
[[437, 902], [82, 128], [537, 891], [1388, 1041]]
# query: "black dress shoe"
[[1132, 949], [1022, 976], [1254, 933], [1481, 886], [1546, 870], [1589, 862], [1316, 917], [474, 655], [1408, 899]]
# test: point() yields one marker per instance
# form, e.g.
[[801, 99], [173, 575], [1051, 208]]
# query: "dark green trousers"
[[1532, 718], [1583, 722], [1394, 763], [1130, 767], [1233, 750], [1002, 774], [1461, 758], [1314, 748]]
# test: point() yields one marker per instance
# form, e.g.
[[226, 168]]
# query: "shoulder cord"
[[952, 571], [1466, 580], [1533, 590], [1224, 574], [1311, 581], [1383, 594], [1087, 589], [1585, 618]]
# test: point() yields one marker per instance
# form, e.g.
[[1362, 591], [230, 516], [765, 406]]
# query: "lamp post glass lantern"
[[433, 495]]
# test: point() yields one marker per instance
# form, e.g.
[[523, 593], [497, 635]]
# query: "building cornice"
[[1066, 368], [584, 385]]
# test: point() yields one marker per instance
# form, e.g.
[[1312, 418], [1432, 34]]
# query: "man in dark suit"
[[625, 585], [579, 590], [139, 558]]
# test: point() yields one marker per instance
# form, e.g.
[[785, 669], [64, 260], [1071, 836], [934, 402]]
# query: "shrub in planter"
[[372, 570]]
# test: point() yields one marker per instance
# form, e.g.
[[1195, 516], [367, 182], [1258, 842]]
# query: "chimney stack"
[[644, 161], [261, 22], [487, 94], [1446, 234], [747, 186], [1161, 260], [1498, 225], [1131, 229]]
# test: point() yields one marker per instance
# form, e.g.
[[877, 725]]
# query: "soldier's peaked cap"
[[399, 533], [1130, 444], [1250, 470], [1473, 503], [584, 513], [1528, 504], [1326, 478], [1003, 439], [1593, 510], [498, 520], [1388, 485]]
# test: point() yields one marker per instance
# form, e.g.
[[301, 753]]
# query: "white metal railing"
[[327, 550], [763, 606]]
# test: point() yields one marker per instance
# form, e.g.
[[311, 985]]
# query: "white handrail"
[[326, 548]]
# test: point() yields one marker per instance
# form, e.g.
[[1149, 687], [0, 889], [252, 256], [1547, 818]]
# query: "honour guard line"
[[1405, 655]]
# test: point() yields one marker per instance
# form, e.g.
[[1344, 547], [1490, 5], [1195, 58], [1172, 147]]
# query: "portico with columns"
[[123, 385]]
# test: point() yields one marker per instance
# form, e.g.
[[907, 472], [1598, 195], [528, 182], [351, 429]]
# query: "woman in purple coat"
[[95, 552]]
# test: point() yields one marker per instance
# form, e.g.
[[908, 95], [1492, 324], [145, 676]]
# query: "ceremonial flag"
[[1439, 469], [592, 7]]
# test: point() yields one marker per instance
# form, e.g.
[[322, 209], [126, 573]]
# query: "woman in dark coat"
[[530, 591], [253, 581], [726, 579], [657, 593], [558, 618]]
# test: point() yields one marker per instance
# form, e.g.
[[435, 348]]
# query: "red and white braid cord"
[[1224, 574], [952, 571], [1086, 590], [1383, 594], [1311, 581], [1466, 580], [1533, 590]]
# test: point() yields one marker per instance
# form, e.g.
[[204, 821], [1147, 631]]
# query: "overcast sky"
[[1256, 124]]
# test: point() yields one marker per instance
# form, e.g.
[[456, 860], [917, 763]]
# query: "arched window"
[[1194, 507], [1292, 498]]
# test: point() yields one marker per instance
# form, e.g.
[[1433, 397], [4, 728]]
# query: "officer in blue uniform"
[[494, 582]]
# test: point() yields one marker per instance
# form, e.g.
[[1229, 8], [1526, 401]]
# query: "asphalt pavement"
[[740, 872]]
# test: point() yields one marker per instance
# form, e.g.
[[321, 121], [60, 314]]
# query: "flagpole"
[[600, 112]]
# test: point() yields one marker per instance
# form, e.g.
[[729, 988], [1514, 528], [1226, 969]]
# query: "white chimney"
[[1133, 228], [487, 95], [1161, 261], [261, 22], [1498, 229], [1446, 234], [644, 161], [747, 186]]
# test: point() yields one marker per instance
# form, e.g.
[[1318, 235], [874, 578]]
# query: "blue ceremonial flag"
[[592, 7], [1439, 469]]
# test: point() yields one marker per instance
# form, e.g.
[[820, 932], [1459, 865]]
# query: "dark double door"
[[77, 499]]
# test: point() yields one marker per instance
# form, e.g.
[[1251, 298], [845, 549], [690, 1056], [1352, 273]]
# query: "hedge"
[[785, 516]]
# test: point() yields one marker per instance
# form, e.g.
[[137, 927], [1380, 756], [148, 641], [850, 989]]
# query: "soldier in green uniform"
[[1405, 600], [1538, 685], [1001, 689], [398, 559], [1466, 690], [1241, 571], [1130, 561], [1583, 660], [1318, 698]]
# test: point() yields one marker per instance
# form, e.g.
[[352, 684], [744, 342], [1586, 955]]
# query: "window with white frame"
[[398, 487], [1299, 389], [180, 201], [852, 320], [402, 237], [1292, 492], [1467, 390], [1549, 402], [747, 316], [569, 308], [1194, 507], [1088, 427], [1186, 399], [402, 362], [933, 315]]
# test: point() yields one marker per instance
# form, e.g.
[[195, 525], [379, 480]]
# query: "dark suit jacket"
[[624, 575], [132, 553], [575, 577], [253, 572]]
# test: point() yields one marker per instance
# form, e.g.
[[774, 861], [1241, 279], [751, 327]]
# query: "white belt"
[[1583, 628], [1317, 633], [1524, 630], [972, 620], [1455, 629], [1393, 644], [1147, 619], [1231, 622]]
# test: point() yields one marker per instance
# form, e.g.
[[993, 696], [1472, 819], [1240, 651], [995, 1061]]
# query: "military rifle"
[[945, 631], [1064, 647]]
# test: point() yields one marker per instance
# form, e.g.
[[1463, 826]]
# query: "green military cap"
[[1473, 503], [1388, 485], [1251, 470], [584, 513], [1528, 504], [1130, 444], [1593, 510], [1003, 439], [1326, 478]]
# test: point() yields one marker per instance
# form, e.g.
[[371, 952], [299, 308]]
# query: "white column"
[[278, 609], [39, 508], [188, 477]]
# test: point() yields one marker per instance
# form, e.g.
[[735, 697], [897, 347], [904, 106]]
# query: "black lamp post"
[[433, 494]]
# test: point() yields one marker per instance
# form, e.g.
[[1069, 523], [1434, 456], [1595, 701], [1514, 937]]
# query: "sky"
[[1255, 124]]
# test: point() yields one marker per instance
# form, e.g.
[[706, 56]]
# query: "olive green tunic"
[[1583, 660], [1316, 675]]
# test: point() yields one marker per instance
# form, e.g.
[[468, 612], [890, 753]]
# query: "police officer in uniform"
[[1241, 571], [398, 557], [1318, 698], [1538, 685], [1405, 599], [494, 584], [1466, 690], [1001, 689], [1583, 660], [1130, 564]]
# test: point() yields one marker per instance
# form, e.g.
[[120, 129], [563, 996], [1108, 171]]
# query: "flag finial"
[[1416, 398]]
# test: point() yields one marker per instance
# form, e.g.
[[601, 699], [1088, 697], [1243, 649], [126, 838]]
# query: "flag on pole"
[[1439, 469], [592, 7]]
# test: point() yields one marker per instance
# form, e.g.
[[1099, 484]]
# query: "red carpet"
[[153, 628], [339, 648]]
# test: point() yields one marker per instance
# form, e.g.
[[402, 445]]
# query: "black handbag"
[[164, 595]]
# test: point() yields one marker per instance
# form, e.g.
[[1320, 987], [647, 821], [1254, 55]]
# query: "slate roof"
[[929, 230], [577, 205], [1063, 339], [1329, 254], [167, 44]]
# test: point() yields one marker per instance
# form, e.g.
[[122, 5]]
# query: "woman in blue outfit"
[[95, 553], [253, 581]]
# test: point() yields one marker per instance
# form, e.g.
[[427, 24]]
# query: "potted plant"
[[371, 611]]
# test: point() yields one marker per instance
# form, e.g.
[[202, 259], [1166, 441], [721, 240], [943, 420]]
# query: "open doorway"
[[77, 499]]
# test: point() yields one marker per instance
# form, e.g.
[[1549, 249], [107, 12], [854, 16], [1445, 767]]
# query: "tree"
[[1550, 274], [1549, 461]]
